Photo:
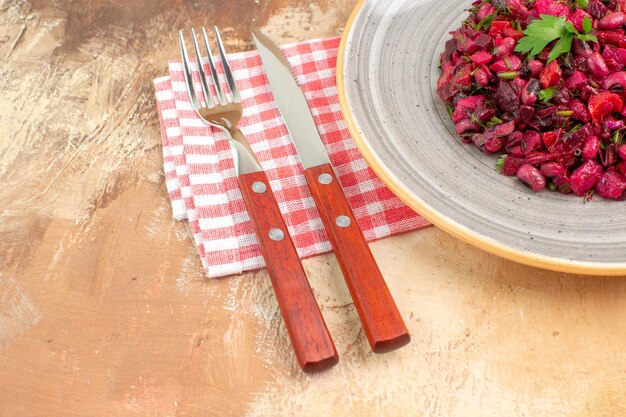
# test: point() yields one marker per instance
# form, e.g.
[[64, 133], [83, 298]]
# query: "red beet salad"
[[542, 84]]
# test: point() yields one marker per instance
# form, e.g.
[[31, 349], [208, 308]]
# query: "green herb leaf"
[[547, 94], [494, 121], [576, 128], [508, 75], [618, 137], [541, 32], [562, 46], [476, 7], [583, 3], [588, 38], [501, 161], [569, 26], [587, 24], [469, 23], [487, 21]]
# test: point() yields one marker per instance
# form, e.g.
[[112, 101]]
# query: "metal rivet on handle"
[[259, 187], [343, 221], [277, 234], [325, 179]]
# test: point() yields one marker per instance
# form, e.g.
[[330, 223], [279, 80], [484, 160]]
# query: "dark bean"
[[612, 21]]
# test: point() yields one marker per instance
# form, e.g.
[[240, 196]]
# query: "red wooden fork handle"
[[311, 341], [379, 314]]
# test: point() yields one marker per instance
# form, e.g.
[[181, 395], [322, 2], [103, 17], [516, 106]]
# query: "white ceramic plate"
[[387, 73]]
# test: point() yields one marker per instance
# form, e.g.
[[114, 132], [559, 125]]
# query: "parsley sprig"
[[546, 95], [487, 21], [551, 28], [582, 3]]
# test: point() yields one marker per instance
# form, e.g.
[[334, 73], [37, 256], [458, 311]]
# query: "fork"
[[311, 341]]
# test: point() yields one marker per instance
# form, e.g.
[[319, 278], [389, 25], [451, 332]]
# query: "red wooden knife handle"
[[379, 314], [311, 341]]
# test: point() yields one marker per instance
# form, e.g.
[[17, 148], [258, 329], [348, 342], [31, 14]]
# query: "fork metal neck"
[[244, 159]]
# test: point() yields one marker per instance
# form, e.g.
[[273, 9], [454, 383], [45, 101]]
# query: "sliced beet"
[[524, 116], [596, 9], [506, 98]]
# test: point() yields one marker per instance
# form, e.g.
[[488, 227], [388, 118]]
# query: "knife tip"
[[259, 37]]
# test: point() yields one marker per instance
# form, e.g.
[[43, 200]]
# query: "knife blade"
[[381, 319]]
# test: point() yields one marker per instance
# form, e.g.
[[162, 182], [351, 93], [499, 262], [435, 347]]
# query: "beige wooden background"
[[104, 309]]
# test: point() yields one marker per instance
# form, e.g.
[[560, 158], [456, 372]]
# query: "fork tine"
[[227, 71], [208, 97], [216, 80], [188, 80]]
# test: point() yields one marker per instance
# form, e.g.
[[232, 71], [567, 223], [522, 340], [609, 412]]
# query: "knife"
[[377, 310]]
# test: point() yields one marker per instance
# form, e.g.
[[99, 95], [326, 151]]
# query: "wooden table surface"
[[104, 309]]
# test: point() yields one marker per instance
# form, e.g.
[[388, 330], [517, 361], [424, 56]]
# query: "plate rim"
[[440, 221]]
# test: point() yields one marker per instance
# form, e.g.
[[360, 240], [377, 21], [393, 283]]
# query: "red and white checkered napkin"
[[201, 178]]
